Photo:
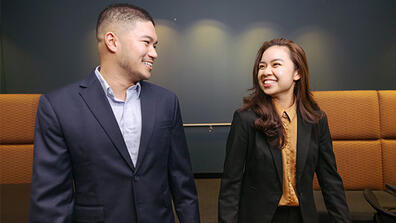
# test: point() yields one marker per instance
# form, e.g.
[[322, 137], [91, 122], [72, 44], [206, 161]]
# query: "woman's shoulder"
[[246, 115], [314, 116], [322, 122], [322, 116]]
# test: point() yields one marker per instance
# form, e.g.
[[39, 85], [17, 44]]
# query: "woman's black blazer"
[[251, 185]]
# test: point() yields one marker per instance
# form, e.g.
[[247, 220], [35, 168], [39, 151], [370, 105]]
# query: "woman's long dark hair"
[[268, 120]]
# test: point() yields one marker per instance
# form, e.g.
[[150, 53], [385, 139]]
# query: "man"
[[111, 148]]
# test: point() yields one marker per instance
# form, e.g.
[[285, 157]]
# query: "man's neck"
[[118, 81]]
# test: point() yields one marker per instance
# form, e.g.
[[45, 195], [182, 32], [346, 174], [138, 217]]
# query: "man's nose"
[[153, 53]]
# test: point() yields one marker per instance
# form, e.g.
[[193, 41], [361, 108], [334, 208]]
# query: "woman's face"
[[277, 74]]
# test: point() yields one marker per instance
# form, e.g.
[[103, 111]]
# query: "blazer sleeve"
[[180, 173], [328, 177], [234, 164], [52, 185]]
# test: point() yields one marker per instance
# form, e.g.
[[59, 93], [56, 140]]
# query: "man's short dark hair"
[[122, 13]]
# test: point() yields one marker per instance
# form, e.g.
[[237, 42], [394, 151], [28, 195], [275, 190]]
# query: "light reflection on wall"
[[166, 67], [319, 47], [193, 63], [209, 66], [89, 50], [206, 67], [246, 47]]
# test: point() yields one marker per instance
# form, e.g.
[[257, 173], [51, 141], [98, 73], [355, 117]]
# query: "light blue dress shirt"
[[128, 114]]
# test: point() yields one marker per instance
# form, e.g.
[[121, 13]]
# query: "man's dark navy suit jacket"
[[82, 171]]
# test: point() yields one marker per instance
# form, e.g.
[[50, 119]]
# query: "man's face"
[[137, 54]]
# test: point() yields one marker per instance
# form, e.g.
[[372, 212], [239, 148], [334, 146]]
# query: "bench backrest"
[[362, 125], [363, 128]]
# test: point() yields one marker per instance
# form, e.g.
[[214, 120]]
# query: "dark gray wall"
[[2, 83], [206, 50]]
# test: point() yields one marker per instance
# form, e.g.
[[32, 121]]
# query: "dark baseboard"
[[207, 175]]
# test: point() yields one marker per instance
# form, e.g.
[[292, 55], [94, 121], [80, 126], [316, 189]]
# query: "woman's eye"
[[261, 66], [276, 64]]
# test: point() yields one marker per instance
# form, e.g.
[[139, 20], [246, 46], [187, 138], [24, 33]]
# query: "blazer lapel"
[[277, 157], [275, 153], [95, 98], [303, 140], [148, 107]]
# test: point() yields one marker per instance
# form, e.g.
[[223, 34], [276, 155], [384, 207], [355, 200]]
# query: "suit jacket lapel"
[[148, 107], [95, 98], [277, 157], [275, 153], [303, 140]]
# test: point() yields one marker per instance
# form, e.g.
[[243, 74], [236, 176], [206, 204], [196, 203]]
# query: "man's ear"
[[111, 41]]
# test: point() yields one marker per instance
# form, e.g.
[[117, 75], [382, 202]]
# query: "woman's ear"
[[296, 76]]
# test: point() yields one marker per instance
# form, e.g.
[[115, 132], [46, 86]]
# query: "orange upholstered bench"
[[363, 128], [17, 119]]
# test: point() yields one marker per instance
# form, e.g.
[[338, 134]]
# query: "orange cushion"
[[351, 114], [18, 113], [387, 107], [389, 157], [16, 164], [359, 164]]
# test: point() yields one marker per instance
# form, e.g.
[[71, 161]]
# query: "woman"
[[278, 139]]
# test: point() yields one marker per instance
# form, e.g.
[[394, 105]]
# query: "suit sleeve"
[[231, 182], [52, 185], [329, 179], [180, 173]]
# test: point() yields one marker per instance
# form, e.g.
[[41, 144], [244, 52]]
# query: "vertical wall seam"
[[2, 71]]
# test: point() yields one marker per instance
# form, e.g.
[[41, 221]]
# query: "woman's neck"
[[285, 102]]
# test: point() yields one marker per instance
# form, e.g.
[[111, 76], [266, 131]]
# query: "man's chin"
[[142, 76], [145, 76]]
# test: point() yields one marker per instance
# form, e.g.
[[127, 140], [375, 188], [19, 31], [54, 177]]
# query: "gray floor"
[[14, 202]]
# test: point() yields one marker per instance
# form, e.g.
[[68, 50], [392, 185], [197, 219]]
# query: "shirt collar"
[[107, 89], [290, 111]]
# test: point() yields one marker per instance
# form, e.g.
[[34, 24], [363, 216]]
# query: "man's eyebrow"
[[150, 38]]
